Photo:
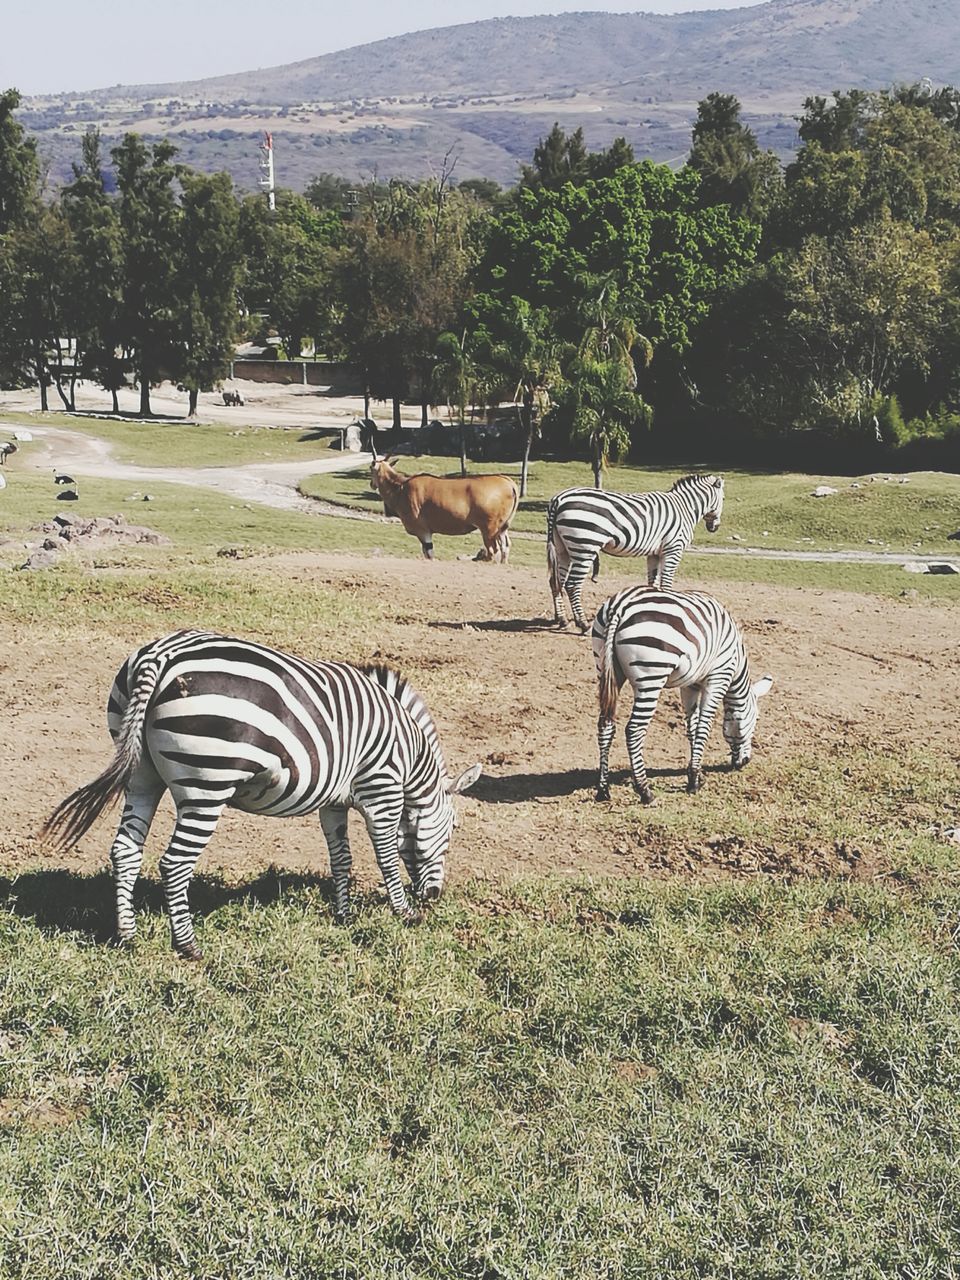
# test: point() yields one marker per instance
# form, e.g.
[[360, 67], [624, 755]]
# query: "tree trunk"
[[424, 413], [73, 391], [396, 415], [144, 395], [463, 447], [192, 409], [61, 393], [42, 379], [597, 464], [526, 421], [116, 402], [366, 401]]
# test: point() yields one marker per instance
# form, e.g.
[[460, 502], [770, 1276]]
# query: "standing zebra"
[[583, 522], [655, 638], [224, 723]]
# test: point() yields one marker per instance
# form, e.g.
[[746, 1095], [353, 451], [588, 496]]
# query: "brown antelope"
[[433, 504]]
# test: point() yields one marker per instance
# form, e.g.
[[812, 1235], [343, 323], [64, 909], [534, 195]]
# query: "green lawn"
[[612, 1080], [916, 516]]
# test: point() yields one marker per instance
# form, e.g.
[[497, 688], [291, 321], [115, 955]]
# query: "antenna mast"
[[266, 170]]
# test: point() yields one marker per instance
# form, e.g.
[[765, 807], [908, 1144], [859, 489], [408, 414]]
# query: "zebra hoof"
[[694, 781], [341, 917], [189, 952], [645, 793], [603, 793], [124, 941], [584, 627], [412, 919]]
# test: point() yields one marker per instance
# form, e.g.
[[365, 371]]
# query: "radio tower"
[[266, 170]]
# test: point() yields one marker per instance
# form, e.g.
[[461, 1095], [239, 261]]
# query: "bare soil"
[[508, 689]]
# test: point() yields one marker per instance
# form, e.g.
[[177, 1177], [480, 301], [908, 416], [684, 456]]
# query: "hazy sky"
[[53, 46]]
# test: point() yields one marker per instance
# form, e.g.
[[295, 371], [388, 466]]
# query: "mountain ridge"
[[491, 88]]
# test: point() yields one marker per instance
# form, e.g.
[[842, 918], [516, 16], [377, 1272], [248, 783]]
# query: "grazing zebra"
[[221, 722], [655, 638], [583, 522]]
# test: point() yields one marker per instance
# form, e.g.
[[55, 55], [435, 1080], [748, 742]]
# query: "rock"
[[64, 521], [147, 497], [23, 435], [934, 566], [735, 537], [904, 480], [51, 544], [911, 594], [954, 537], [855, 485], [765, 534], [40, 560], [822, 491]]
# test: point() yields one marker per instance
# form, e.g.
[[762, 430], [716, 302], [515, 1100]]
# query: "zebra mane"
[[693, 478], [400, 688]]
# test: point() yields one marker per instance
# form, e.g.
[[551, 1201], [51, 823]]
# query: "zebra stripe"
[[220, 722], [583, 522], [658, 639]]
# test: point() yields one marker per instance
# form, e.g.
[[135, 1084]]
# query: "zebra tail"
[[552, 568], [74, 816], [608, 686]]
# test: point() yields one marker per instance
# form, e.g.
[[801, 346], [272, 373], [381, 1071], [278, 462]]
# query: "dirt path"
[[272, 483]]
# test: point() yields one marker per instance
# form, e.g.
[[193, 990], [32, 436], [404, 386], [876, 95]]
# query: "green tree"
[[95, 227], [36, 285], [732, 168], [822, 335], [288, 254], [402, 280], [18, 166], [209, 276], [599, 404], [150, 228]]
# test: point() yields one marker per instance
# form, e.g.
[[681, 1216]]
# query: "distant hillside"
[[491, 89]]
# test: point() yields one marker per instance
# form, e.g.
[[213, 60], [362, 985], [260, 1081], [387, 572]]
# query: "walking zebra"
[[221, 722], [583, 522], [655, 638]]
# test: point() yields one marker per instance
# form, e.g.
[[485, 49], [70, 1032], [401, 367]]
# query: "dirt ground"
[[516, 694]]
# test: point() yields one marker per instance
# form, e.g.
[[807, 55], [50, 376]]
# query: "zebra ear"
[[763, 685], [718, 482], [466, 780]]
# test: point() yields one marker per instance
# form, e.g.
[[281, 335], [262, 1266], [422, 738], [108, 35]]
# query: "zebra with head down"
[[220, 722]]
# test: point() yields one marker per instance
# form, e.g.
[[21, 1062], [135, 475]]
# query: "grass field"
[[748, 1070], [764, 509], [580, 1080], [208, 444]]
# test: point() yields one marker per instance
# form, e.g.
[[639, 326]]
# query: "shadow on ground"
[[60, 901], [515, 788], [531, 625]]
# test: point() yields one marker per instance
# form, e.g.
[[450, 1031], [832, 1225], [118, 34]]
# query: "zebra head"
[[711, 517], [740, 710], [425, 832]]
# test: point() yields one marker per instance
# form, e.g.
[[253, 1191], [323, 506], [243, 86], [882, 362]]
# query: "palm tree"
[[602, 407]]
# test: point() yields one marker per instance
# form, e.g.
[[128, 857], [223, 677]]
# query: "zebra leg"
[[559, 568], [333, 822], [139, 806], [605, 730], [197, 820], [383, 823], [710, 697], [669, 562], [690, 697], [645, 700], [653, 570], [576, 577]]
